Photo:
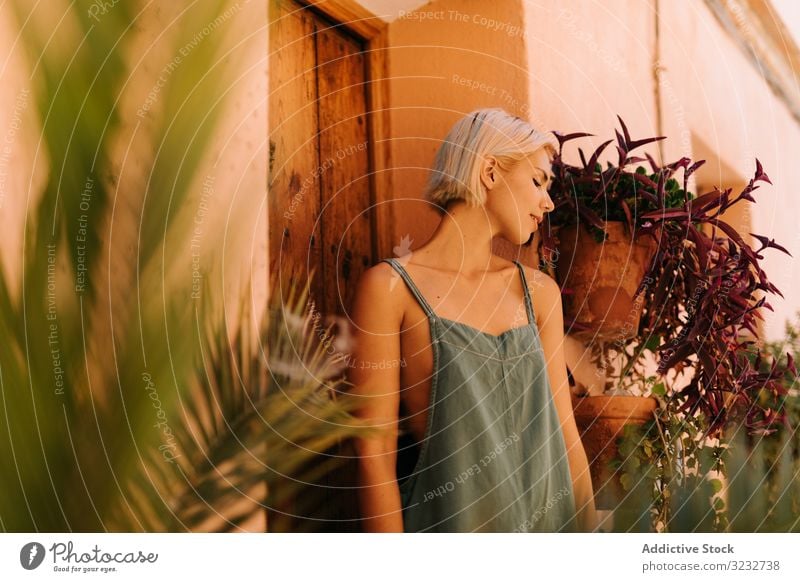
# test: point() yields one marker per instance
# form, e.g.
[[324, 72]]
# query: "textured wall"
[[446, 59], [718, 99]]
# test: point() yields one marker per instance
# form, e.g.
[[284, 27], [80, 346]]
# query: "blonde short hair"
[[484, 132]]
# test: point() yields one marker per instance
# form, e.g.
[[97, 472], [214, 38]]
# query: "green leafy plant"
[[124, 406], [255, 429], [674, 477]]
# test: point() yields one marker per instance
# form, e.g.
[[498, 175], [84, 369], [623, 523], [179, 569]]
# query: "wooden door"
[[321, 222], [321, 217]]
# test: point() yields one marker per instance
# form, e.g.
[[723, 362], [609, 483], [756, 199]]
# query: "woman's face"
[[517, 200]]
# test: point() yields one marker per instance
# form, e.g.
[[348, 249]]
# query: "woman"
[[458, 353]]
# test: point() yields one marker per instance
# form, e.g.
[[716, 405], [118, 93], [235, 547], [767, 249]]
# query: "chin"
[[520, 237], [528, 241]]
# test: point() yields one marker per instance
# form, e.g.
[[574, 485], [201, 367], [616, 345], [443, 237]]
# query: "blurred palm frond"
[[255, 428], [123, 406]]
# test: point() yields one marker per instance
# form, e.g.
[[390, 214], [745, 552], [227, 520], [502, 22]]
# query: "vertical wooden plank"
[[346, 214], [294, 191], [344, 154], [378, 115], [294, 186]]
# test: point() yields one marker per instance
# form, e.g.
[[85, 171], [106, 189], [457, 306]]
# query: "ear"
[[489, 175]]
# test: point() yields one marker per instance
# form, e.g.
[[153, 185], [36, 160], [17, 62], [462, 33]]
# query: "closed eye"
[[547, 178]]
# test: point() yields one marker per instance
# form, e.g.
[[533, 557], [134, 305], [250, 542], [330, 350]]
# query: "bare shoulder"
[[540, 282], [377, 275], [379, 296], [545, 293]]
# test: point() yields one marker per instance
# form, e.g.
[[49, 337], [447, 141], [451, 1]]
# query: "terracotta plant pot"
[[600, 421], [603, 276]]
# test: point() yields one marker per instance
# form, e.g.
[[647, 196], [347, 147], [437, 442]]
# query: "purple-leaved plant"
[[699, 289]]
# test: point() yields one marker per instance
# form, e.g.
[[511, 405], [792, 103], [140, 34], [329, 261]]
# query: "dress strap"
[[526, 290], [413, 288]]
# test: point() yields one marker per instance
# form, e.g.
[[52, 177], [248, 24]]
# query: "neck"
[[462, 241]]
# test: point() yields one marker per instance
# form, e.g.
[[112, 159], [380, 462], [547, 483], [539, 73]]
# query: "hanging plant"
[[698, 290]]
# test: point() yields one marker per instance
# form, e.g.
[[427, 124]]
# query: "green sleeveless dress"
[[493, 458]]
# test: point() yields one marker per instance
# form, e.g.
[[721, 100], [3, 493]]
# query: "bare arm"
[[376, 321], [550, 320]]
